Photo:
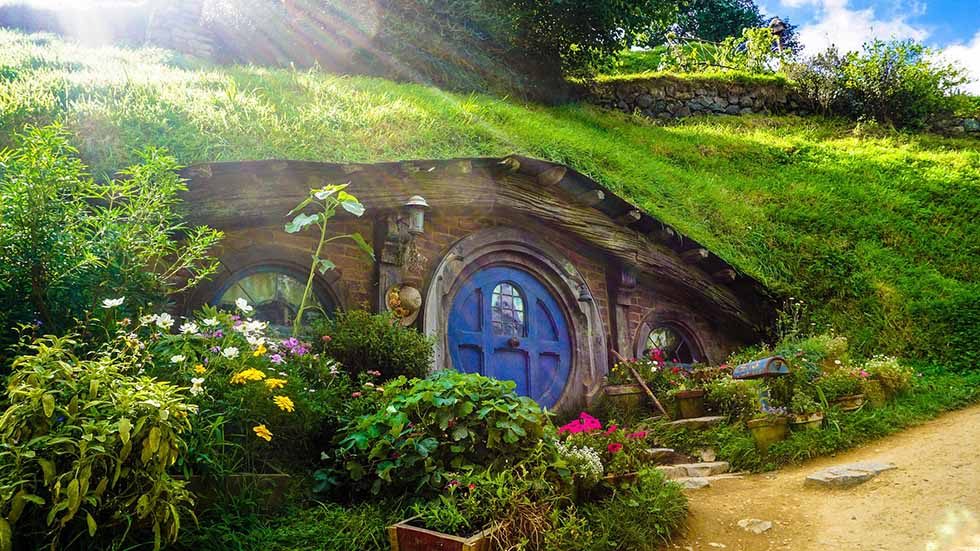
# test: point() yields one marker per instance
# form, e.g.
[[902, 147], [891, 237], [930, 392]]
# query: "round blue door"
[[505, 324]]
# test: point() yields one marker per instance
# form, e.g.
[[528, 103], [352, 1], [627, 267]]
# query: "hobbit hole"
[[518, 268]]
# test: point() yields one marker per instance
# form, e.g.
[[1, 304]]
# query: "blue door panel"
[[530, 343]]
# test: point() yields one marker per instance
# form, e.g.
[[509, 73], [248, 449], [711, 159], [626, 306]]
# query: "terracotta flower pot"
[[624, 397], [850, 403], [406, 537], [768, 431], [690, 403], [811, 421]]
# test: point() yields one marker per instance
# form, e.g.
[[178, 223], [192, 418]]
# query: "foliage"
[[710, 20], [429, 428], [642, 516], [363, 342], [765, 193], [67, 242], [840, 383], [85, 445], [736, 399], [803, 404], [325, 201], [892, 375], [253, 391], [323, 527], [754, 51], [901, 83]]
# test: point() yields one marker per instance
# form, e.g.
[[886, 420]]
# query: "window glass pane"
[[507, 308], [276, 297], [673, 345]]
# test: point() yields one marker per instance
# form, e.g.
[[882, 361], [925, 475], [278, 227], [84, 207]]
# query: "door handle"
[[513, 342]]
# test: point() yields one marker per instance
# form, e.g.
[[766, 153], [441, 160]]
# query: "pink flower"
[[723, 367], [612, 429], [864, 373], [641, 434], [472, 486], [452, 484], [614, 447], [585, 423], [355, 394], [325, 338]]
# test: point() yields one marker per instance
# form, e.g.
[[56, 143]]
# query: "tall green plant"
[[325, 201], [68, 241]]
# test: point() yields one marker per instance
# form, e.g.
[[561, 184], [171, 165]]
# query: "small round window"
[[673, 344], [507, 310], [276, 296]]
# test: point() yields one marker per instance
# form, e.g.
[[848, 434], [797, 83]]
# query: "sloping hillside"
[[877, 231]]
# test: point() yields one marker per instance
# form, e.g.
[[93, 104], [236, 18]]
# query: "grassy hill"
[[876, 230]]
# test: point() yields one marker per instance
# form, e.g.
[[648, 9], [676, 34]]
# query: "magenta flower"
[[276, 358], [614, 447]]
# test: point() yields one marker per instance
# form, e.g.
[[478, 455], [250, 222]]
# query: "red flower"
[[614, 447], [325, 338], [612, 429], [640, 434], [723, 366], [472, 486], [355, 394], [675, 370]]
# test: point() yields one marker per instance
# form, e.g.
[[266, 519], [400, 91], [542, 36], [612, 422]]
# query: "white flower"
[[177, 358], [196, 387], [242, 305], [210, 322], [230, 352], [188, 328], [147, 320], [255, 340], [836, 362], [324, 456], [112, 302], [165, 321], [254, 326]]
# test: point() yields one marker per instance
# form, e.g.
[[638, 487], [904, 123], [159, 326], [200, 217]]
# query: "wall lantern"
[[413, 214]]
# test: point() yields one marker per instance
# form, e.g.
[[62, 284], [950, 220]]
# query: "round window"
[[673, 344], [276, 296]]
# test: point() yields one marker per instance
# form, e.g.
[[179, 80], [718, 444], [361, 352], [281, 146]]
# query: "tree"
[[708, 20]]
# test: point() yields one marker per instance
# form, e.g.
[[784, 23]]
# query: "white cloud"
[[968, 57], [848, 29]]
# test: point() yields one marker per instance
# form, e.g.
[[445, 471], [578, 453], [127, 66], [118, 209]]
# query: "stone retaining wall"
[[665, 97]]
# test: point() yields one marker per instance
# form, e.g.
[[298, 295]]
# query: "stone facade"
[[613, 272], [666, 97]]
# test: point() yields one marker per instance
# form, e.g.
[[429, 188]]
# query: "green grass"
[[932, 394], [876, 230], [645, 64]]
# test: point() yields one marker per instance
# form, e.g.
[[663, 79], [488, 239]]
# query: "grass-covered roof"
[[876, 230]]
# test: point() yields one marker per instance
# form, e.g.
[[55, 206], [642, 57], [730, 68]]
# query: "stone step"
[[694, 470], [698, 423], [697, 482], [666, 456], [845, 476]]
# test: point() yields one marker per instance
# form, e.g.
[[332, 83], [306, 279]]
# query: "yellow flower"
[[263, 432], [273, 384], [250, 374], [284, 403], [199, 369], [260, 350]]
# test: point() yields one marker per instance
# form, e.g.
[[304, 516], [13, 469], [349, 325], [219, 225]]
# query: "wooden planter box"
[[625, 397], [406, 537], [690, 403]]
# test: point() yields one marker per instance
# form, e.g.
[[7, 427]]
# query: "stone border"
[[512, 247]]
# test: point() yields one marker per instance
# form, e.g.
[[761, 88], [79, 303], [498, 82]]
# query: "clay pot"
[[768, 431], [690, 403], [810, 421]]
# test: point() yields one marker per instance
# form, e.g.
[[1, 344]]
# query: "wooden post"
[[642, 383]]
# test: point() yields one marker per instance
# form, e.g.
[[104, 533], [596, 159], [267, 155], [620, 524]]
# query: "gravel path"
[[931, 502]]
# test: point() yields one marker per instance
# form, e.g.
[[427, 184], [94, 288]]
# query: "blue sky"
[[952, 25]]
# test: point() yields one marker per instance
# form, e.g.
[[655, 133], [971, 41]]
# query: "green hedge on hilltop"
[[876, 230]]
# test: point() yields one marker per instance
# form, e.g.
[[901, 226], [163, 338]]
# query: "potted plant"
[[842, 388], [688, 394], [806, 414], [768, 427], [456, 519], [621, 389]]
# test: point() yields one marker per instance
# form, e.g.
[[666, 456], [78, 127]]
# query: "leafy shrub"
[[67, 242], [893, 377], [737, 400], [839, 383], [621, 451], [363, 342], [430, 428], [753, 52], [85, 445], [641, 517], [896, 82]]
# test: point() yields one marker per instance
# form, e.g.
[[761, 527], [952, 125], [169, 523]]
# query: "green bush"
[[893, 376], [364, 342], [900, 83], [737, 400], [640, 517], [85, 445], [429, 428], [68, 242]]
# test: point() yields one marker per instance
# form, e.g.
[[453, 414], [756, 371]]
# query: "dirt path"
[[932, 502]]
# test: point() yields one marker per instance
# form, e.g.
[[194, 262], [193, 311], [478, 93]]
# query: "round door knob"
[[513, 342]]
